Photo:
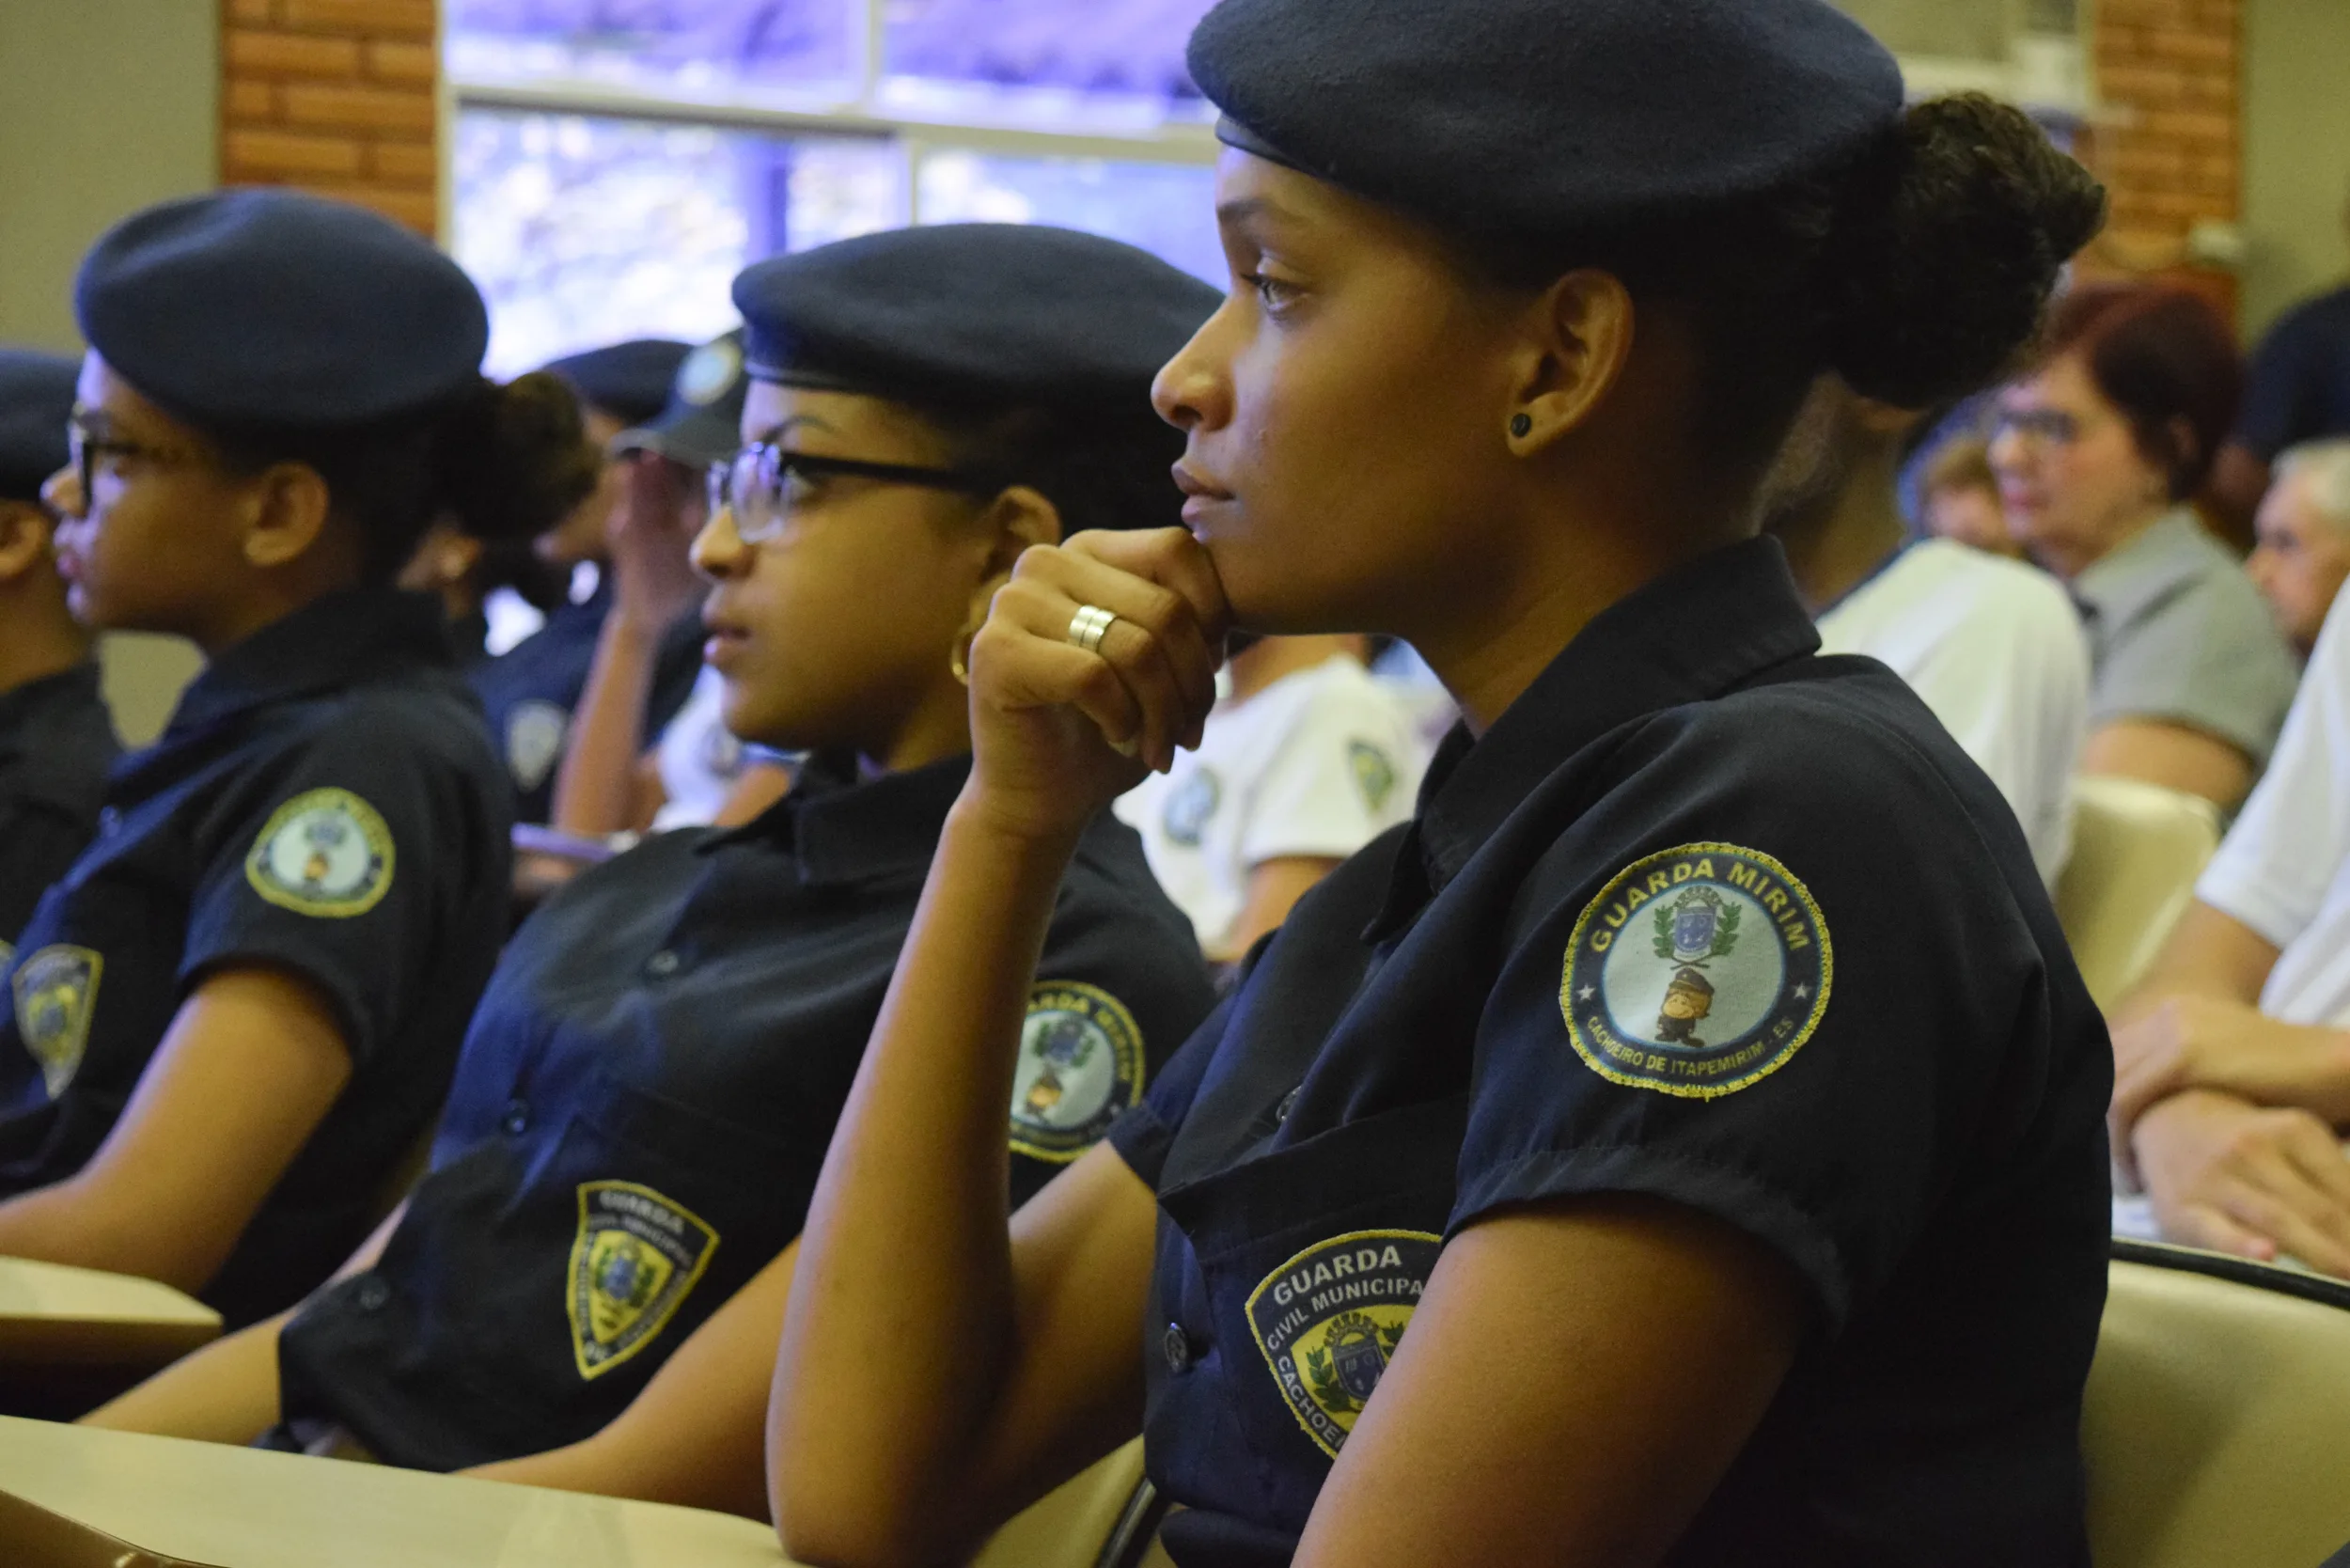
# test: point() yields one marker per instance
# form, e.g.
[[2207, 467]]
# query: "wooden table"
[[241, 1508], [53, 1315]]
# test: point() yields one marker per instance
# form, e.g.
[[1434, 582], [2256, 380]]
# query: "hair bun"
[[513, 459], [1942, 251]]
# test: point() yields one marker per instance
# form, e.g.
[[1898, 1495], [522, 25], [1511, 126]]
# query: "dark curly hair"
[[1919, 271]]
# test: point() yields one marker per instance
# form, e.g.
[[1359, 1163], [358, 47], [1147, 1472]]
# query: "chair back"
[[2136, 850], [2217, 1426], [1088, 1521]]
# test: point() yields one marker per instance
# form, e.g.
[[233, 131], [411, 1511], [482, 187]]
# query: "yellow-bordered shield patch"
[[1328, 1320], [1080, 1066], [535, 732], [634, 1259], [1696, 971], [325, 853], [57, 994], [1373, 770]]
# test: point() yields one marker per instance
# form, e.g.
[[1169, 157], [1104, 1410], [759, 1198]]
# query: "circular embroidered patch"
[[325, 853], [709, 372], [1696, 972], [1190, 806], [1080, 1066], [534, 731]]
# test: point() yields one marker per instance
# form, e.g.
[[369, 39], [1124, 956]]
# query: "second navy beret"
[[1547, 117], [973, 313], [629, 380], [274, 309], [35, 400]]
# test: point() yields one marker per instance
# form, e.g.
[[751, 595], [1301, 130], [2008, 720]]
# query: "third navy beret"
[[629, 380], [35, 400], [973, 313], [699, 424], [1547, 117], [274, 309]]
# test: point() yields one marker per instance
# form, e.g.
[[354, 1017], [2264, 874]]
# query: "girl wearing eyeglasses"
[[1682, 1143], [598, 1260], [231, 1021]]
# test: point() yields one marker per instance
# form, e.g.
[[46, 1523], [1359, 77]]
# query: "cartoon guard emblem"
[[324, 852], [1328, 1322], [1696, 972], [1080, 1066], [634, 1259], [56, 992]]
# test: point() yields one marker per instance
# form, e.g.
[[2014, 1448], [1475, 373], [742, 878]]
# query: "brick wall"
[[334, 96], [2171, 151]]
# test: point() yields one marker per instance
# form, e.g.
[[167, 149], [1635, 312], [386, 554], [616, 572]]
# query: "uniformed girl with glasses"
[[598, 1260], [233, 1019], [1684, 1142]]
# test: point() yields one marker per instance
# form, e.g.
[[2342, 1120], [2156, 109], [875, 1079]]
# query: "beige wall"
[[105, 105], [2296, 151]]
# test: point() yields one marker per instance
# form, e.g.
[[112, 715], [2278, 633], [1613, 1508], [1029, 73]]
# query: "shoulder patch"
[[1696, 971], [1328, 1322], [1373, 771], [1189, 806], [56, 993], [1080, 1067], [635, 1257], [534, 731], [325, 853]]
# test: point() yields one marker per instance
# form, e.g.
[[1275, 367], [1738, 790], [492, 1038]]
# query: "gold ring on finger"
[[1088, 627]]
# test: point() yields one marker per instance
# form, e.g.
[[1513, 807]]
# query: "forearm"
[[83, 1221], [2298, 1066], [595, 791], [902, 1326], [224, 1393]]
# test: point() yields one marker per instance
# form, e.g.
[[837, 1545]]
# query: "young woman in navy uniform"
[[1684, 1142], [235, 1016], [650, 1081], [56, 740]]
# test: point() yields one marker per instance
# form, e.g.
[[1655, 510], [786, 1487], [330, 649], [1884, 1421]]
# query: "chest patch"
[[534, 739], [56, 993], [325, 853], [1696, 972], [1080, 1066], [1373, 771], [1328, 1322], [634, 1259], [1189, 808]]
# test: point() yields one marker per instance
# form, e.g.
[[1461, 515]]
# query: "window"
[[617, 162]]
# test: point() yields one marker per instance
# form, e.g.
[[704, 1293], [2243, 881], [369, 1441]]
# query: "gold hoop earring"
[[959, 659]]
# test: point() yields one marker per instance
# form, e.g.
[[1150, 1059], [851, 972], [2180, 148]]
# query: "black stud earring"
[[1521, 424]]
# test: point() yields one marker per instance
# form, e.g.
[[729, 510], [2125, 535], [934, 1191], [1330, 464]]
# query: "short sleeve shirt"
[[2178, 634], [1996, 650], [1316, 764], [1701, 916], [528, 692], [56, 743], [647, 1094], [2298, 388], [2284, 867], [323, 802]]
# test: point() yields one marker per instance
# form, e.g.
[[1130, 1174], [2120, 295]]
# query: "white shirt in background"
[[1996, 649], [2284, 867], [1318, 763], [699, 759]]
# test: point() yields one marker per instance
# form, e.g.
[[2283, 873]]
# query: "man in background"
[[2303, 533]]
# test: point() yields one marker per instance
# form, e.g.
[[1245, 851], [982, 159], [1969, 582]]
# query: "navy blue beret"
[[265, 307], [35, 400], [629, 380], [973, 314], [1547, 117], [701, 423]]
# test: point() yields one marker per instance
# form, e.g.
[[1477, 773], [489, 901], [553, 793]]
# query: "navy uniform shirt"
[[2298, 388], [323, 802], [56, 743], [647, 1091], [528, 692], [1702, 917]]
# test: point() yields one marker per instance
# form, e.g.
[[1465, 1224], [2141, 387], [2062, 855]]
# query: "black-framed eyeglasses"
[[2050, 425], [755, 485], [84, 446]]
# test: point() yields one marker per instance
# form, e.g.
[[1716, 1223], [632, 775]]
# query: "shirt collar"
[[1693, 634], [328, 643], [2168, 552], [20, 706], [845, 830]]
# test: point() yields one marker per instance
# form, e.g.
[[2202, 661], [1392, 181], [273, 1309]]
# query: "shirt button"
[[1177, 1344], [517, 1121], [1289, 1104], [109, 821], [662, 965], [374, 1294]]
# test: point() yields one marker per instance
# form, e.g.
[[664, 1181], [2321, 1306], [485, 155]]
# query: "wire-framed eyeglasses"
[[756, 485]]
